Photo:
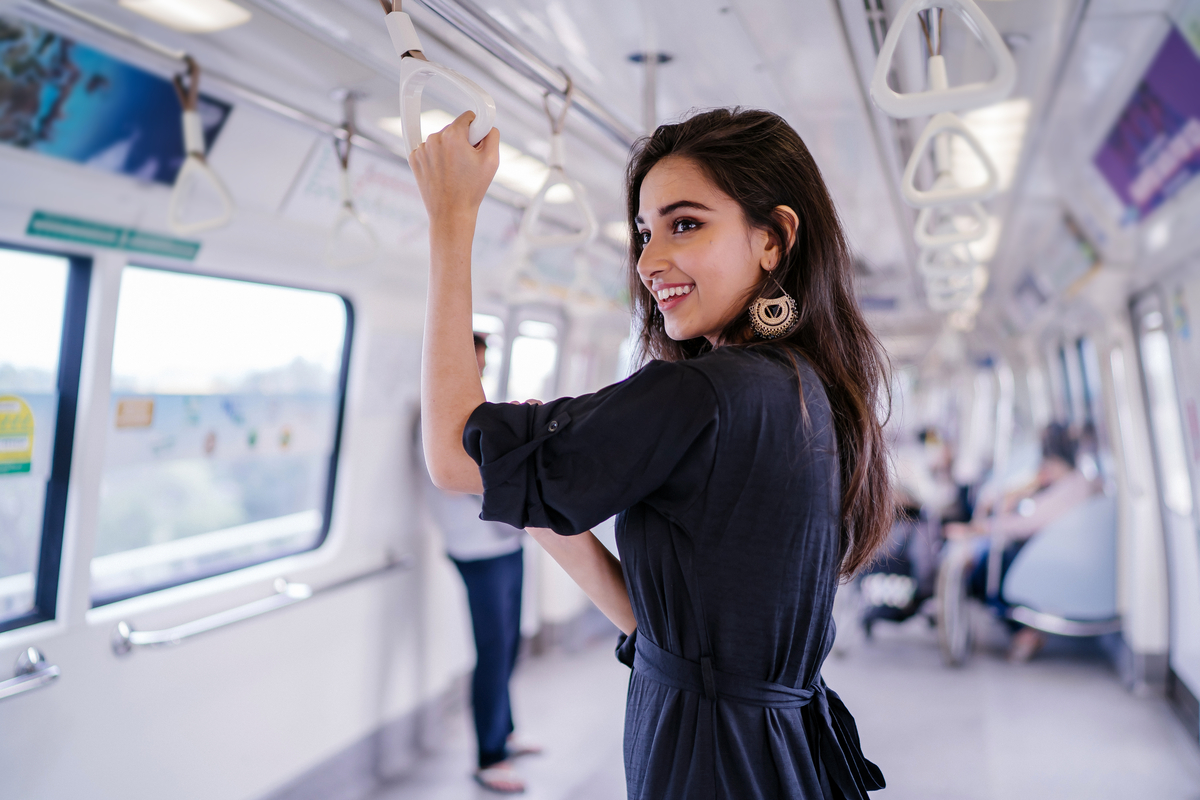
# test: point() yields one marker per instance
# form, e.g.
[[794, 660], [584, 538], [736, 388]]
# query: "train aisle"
[[571, 703], [1058, 728]]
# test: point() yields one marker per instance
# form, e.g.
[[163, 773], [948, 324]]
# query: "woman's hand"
[[452, 175]]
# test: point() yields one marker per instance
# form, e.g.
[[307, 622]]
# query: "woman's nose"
[[651, 262]]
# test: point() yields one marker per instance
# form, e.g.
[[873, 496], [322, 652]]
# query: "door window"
[[41, 339], [223, 430]]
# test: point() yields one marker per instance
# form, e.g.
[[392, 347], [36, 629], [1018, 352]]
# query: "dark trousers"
[[494, 595]]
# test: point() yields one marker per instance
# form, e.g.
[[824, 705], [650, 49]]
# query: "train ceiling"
[[1078, 61]]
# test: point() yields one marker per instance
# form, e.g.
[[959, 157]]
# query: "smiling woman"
[[748, 474]]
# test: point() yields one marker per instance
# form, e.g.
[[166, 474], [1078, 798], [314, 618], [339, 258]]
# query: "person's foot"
[[500, 778], [1025, 644], [518, 748]]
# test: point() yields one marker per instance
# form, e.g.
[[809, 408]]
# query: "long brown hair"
[[757, 159]]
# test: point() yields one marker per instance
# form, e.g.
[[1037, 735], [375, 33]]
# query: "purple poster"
[[1153, 148]]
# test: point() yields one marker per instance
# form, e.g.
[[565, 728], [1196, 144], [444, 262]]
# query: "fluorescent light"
[[190, 16], [518, 171], [1000, 128]]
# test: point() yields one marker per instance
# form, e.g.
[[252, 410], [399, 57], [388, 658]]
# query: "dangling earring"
[[774, 317]]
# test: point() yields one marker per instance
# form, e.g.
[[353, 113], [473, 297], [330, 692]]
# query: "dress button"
[[553, 426]]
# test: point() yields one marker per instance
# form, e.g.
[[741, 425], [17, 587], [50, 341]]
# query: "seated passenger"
[[1058, 487]]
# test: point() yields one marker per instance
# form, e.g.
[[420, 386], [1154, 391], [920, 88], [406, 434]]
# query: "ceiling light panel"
[[190, 16]]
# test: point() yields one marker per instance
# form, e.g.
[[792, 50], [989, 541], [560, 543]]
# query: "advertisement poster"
[[64, 99], [1153, 149]]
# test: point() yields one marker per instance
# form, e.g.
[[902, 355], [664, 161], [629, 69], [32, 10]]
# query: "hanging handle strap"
[[945, 190], [936, 100], [336, 253], [416, 71], [557, 175], [928, 237], [195, 168]]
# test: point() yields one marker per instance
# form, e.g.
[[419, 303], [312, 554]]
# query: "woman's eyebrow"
[[678, 204]]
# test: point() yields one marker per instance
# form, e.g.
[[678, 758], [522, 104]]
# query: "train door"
[[168, 456], [1158, 326]]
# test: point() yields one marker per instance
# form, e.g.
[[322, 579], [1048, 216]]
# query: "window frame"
[[334, 456], [48, 571]]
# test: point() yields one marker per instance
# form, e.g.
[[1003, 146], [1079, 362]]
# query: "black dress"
[[729, 540]]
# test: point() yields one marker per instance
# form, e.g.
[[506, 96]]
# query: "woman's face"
[[700, 258]]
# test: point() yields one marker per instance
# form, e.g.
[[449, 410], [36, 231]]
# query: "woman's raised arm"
[[453, 178]]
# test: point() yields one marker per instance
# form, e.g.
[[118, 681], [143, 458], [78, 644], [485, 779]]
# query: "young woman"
[[747, 463]]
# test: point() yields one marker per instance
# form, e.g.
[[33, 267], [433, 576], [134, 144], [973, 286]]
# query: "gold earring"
[[774, 317]]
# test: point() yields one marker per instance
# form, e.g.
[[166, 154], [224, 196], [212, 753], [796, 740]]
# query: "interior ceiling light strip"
[[477, 25]]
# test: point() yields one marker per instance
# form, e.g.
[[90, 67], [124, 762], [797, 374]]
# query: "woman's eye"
[[684, 225], [644, 236]]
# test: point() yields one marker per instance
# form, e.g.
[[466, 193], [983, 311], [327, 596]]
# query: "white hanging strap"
[[558, 176], [337, 253], [416, 71], [946, 262], [939, 132], [586, 295], [937, 226], [195, 168], [935, 100]]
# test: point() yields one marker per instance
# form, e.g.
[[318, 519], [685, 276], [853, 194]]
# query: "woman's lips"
[[678, 293]]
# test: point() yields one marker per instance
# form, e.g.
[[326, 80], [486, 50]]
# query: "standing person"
[[747, 463], [488, 555]]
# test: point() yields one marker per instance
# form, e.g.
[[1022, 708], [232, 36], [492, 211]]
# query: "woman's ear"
[[773, 253]]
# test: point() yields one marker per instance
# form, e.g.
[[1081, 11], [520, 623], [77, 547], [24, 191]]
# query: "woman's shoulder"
[[735, 366]]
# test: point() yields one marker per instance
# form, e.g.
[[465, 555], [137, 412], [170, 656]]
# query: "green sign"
[[73, 229], [16, 435]]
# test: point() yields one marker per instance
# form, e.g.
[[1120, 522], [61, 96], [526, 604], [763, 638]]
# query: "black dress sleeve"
[[573, 463]]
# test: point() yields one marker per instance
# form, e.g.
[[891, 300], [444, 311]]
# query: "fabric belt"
[[838, 752]]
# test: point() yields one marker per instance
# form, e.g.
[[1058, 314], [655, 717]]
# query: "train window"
[[41, 341], [223, 430], [534, 361], [492, 329]]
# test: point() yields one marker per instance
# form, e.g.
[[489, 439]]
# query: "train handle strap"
[[946, 262], [338, 253], [935, 100], [937, 226], [195, 169], [416, 71], [558, 176], [940, 130]]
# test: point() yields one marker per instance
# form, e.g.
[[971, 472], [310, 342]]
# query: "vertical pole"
[[650, 91]]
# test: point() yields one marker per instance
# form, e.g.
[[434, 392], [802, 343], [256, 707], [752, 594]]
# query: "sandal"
[[500, 778]]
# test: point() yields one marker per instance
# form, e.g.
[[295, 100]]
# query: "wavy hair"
[[757, 159]]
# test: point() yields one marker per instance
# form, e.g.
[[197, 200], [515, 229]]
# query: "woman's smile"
[[670, 295]]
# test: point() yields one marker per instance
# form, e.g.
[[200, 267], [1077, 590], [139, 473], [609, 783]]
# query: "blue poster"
[[65, 99]]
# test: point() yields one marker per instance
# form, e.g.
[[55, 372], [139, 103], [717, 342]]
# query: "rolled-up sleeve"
[[572, 463]]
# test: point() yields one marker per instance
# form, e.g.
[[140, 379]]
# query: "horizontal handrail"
[[125, 638], [32, 672], [1051, 623]]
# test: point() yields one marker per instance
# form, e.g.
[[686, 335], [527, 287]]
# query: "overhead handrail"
[[939, 99], [945, 189], [337, 254], [125, 638], [932, 232], [32, 672], [556, 177], [416, 71], [195, 167]]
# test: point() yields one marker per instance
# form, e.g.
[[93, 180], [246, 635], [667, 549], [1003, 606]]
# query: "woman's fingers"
[[453, 176]]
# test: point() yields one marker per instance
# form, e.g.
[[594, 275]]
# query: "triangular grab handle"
[[195, 168], [579, 198], [929, 239], [944, 190], [946, 262], [416, 72], [951, 98]]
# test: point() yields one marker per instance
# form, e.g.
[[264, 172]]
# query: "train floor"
[[1060, 727]]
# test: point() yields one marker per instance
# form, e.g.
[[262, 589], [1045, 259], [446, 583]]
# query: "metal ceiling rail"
[[236, 87], [479, 26]]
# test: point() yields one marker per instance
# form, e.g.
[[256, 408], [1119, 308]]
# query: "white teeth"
[[674, 291]]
